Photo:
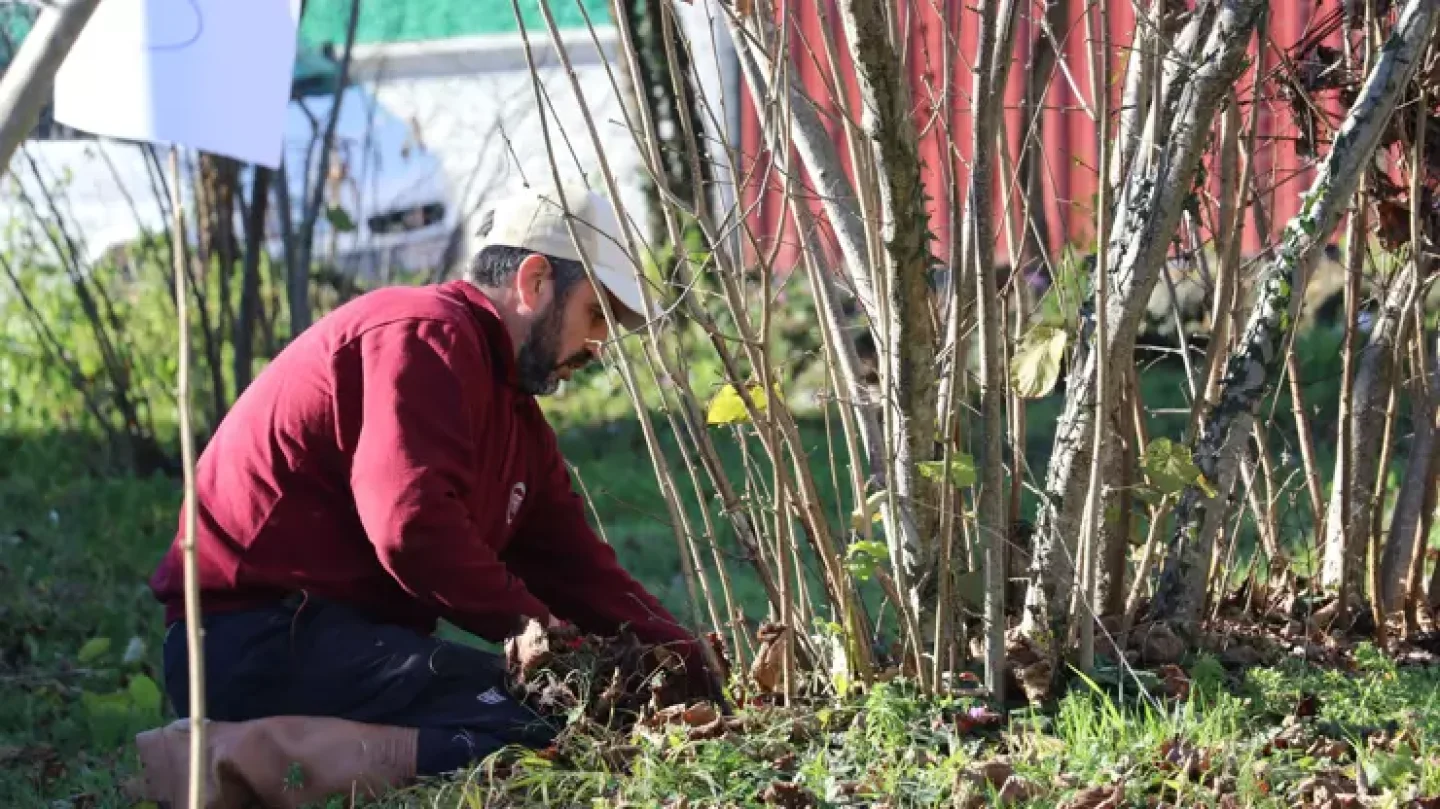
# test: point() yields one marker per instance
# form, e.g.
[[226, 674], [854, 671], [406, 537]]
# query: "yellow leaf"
[[728, 408], [871, 509], [1035, 367]]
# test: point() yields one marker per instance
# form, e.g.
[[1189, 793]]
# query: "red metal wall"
[[1069, 137]]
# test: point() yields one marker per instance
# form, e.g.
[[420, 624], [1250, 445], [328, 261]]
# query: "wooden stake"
[[193, 632]]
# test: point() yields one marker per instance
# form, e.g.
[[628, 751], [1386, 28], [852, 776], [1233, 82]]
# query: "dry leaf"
[[1016, 790], [701, 713], [788, 795], [1241, 656], [711, 730], [1097, 798], [995, 772], [768, 670], [1177, 684]]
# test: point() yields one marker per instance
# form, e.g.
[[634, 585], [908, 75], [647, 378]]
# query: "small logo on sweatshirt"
[[517, 496], [491, 697]]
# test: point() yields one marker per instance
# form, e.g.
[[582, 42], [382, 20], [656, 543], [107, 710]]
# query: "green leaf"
[[145, 696], [863, 557], [93, 649], [1146, 494], [962, 470], [1060, 306], [1171, 468], [1035, 368], [339, 218], [103, 707]]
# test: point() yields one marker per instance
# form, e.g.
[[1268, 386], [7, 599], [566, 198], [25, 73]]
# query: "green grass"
[[896, 746], [80, 640], [76, 548]]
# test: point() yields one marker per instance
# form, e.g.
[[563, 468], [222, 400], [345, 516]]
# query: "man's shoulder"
[[434, 310], [401, 303]]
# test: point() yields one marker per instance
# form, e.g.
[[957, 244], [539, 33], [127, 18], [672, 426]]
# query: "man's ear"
[[533, 287]]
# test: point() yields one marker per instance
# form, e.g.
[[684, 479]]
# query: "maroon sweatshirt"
[[386, 459]]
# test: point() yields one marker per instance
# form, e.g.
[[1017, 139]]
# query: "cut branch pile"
[[613, 681]]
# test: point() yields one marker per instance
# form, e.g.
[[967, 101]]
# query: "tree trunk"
[[1115, 536], [244, 335], [1346, 540], [652, 25], [1251, 368], [1342, 571], [908, 367], [215, 216], [1039, 74], [1146, 216], [822, 162], [818, 152], [992, 69], [1419, 472]]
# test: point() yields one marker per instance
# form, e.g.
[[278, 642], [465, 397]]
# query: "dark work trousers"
[[308, 657]]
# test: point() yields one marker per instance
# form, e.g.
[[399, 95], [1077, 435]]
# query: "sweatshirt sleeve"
[[563, 560], [414, 471]]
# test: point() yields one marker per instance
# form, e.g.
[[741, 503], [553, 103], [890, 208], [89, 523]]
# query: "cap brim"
[[627, 302]]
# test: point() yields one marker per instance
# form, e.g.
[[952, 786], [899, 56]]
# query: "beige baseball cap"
[[533, 218]]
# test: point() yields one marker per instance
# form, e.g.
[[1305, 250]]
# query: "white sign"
[[204, 74]]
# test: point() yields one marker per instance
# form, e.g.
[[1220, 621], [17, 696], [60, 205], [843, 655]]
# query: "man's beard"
[[537, 364]]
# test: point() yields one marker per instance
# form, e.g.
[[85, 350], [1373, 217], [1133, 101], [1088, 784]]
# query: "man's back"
[[277, 514]]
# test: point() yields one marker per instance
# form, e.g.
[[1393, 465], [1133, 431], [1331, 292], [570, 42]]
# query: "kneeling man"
[[391, 467]]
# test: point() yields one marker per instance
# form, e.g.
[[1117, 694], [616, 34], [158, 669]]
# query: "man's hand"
[[535, 645], [527, 650]]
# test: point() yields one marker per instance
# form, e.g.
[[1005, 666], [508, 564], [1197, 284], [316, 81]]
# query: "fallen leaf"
[[979, 716], [1109, 797], [1016, 790], [701, 713], [995, 772], [710, 730], [1176, 683], [1331, 749], [1307, 706], [1241, 656], [672, 715], [788, 795], [1322, 618], [768, 670]]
